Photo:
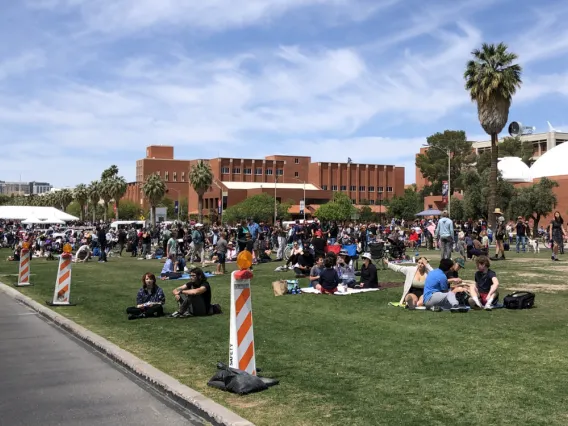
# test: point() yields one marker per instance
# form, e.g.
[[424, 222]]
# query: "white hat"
[[367, 255]]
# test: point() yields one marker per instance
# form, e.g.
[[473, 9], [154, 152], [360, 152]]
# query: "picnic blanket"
[[423, 308], [186, 276], [311, 290]]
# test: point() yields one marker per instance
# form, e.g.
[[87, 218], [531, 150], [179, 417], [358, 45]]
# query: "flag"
[[349, 160]]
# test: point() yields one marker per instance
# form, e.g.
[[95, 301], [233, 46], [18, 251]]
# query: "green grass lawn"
[[349, 360]]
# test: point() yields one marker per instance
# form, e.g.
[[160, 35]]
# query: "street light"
[[448, 153], [275, 205], [304, 183]]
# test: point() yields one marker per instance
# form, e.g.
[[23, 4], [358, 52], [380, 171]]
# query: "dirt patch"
[[540, 288], [528, 260], [529, 275]]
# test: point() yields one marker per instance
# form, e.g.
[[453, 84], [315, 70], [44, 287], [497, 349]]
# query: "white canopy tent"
[[53, 220], [25, 212], [32, 221]]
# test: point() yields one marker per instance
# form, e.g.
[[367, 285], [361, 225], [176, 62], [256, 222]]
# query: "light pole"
[[178, 193], [448, 153], [275, 204], [304, 183]]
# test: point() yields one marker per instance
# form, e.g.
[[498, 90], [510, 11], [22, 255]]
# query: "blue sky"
[[85, 84]]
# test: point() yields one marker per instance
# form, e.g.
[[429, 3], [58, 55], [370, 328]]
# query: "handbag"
[[280, 287], [519, 300]]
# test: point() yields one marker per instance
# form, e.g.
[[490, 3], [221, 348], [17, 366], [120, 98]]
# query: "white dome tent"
[[514, 170], [27, 212], [551, 163], [32, 220]]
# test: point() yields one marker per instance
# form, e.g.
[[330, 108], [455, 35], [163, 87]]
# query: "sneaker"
[[488, 307], [436, 309], [410, 305], [176, 314], [186, 314], [132, 317]]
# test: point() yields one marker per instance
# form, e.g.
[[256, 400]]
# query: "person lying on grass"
[[437, 292], [329, 279], [484, 294], [194, 297], [150, 299], [415, 277]]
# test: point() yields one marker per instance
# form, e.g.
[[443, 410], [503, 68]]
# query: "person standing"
[[521, 229], [556, 233], [221, 250], [281, 234], [121, 241], [101, 236], [445, 234], [500, 236]]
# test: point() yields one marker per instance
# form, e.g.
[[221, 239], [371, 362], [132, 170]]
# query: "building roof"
[[514, 170], [269, 185], [26, 212], [551, 163]]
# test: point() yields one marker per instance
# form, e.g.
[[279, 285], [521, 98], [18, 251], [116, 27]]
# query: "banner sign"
[[445, 191]]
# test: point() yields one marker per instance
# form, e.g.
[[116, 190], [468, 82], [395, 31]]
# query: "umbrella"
[[429, 212], [31, 220], [53, 220]]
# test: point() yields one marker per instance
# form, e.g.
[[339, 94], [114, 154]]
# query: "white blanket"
[[311, 290]]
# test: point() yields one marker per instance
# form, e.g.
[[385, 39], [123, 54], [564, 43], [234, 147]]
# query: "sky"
[[85, 84]]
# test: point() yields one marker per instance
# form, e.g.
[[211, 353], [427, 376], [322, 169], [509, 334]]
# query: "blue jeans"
[[521, 240]]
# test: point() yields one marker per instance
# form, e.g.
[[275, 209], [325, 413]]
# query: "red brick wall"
[[162, 152]]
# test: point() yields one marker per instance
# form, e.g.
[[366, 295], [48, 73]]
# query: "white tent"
[[25, 212], [31, 221], [53, 220]]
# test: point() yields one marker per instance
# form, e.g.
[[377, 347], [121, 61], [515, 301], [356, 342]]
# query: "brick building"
[[287, 178]]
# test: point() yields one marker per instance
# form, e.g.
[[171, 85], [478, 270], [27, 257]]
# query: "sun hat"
[[460, 262], [497, 211], [367, 256]]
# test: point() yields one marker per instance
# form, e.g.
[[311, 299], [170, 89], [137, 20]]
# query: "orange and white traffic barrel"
[[62, 292], [25, 265]]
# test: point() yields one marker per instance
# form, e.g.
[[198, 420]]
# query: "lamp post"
[[304, 183], [178, 193], [448, 153], [275, 204]]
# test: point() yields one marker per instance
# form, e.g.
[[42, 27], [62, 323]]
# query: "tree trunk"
[[536, 220], [82, 215], [116, 206], [152, 216], [200, 208], [105, 212], [492, 199], [94, 213]]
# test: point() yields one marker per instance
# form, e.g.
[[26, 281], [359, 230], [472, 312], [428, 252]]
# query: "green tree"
[[81, 195], [340, 208], [457, 208], [74, 209], [515, 147], [94, 197], [535, 201], [117, 189], [366, 214], [64, 198], [154, 190], [106, 196], [259, 207], [492, 79], [200, 178], [109, 173], [433, 164], [4, 199], [406, 206], [476, 194], [128, 210]]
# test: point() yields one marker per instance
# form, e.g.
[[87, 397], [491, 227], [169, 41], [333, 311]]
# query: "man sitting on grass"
[[437, 293], [484, 294], [194, 297]]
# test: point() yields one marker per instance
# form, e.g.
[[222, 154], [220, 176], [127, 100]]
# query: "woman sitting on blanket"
[[328, 279], [149, 300], [413, 292], [345, 270]]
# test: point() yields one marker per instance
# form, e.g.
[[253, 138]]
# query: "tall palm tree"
[[109, 173], [81, 195], [117, 189], [64, 198], [154, 190], [106, 196], [492, 79], [200, 178], [94, 196]]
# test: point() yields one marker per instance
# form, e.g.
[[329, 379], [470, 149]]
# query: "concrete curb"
[[184, 395]]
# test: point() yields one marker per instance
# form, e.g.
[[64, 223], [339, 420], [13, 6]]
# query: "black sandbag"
[[238, 381]]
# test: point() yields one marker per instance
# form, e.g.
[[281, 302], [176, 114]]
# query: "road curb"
[[182, 394]]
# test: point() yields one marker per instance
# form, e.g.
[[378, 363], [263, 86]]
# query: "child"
[[461, 245], [328, 280], [484, 294]]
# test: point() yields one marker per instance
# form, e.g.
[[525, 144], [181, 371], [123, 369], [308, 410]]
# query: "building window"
[[167, 176], [371, 189], [296, 174], [334, 187], [258, 171], [269, 172], [344, 187], [175, 177], [353, 188], [183, 176], [389, 188], [380, 189], [354, 201], [236, 170], [361, 188], [247, 171], [296, 161], [225, 170], [280, 172], [372, 202]]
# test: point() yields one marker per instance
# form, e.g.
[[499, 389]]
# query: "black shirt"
[[369, 277], [206, 296], [329, 278], [319, 246], [484, 281], [521, 229]]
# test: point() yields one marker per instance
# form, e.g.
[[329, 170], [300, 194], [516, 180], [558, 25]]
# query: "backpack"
[[519, 300]]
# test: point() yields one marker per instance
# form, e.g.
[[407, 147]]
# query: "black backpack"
[[519, 300]]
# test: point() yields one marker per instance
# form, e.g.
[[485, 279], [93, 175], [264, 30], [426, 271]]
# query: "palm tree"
[[492, 79], [94, 197], [201, 178], [154, 190], [109, 173], [104, 192], [64, 198], [81, 195], [117, 189]]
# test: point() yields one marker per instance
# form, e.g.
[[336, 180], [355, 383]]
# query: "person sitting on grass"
[[170, 269], [316, 271], [194, 297], [437, 293], [369, 276], [304, 262], [83, 254], [415, 277], [484, 294], [150, 300], [345, 270], [329, 280]]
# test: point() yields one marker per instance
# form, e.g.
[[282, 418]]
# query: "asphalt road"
[[47, 378]]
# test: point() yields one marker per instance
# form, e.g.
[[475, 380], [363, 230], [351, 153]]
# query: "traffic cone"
[[25, 265], [241, 346], [62, 293]]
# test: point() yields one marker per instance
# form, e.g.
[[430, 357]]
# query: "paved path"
[[49, 378]]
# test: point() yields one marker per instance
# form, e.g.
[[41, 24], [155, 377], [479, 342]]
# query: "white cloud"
[[21, 64]]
